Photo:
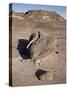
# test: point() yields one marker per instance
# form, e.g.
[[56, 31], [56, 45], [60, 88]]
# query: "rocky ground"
[[52, 69]]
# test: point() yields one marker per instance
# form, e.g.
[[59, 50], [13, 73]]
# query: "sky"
[[20, 7]]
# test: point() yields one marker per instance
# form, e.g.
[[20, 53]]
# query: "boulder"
[[42, 46]]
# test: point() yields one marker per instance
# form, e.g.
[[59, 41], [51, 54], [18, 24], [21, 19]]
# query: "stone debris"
[[45, 75]]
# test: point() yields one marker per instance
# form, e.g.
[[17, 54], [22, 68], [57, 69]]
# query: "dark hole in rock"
[[22, 48], [57, 52], [39, 72], [32, 36], [57, 45], [39, 34]]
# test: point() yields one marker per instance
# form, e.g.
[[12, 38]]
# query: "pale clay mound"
[[44, 16], [41, 16], [52, 59]]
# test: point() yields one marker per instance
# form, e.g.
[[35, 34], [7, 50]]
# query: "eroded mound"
[[43, 44]]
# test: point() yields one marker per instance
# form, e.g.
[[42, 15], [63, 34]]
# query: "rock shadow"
[[39, 72], [22, 48]]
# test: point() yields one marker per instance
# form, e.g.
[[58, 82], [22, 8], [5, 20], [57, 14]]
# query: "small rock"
[[39, 73], [45, 75], [48, 76]]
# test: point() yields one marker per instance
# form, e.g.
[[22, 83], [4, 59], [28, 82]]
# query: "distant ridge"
[[41, 16], [44, 16]]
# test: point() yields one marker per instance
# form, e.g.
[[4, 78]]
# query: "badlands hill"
[[38, 19], [40, 16], [44, 16]]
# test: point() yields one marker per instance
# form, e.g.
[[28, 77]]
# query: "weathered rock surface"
[[50, 75], [43, 45]]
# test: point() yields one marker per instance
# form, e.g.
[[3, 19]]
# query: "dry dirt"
[[23, 70]]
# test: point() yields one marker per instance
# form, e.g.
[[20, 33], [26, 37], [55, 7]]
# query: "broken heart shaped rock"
[[41, 45]]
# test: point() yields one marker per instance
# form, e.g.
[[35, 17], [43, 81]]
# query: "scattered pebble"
[[57, 52]]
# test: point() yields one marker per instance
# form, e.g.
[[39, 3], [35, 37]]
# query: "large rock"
[[43, 46]]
